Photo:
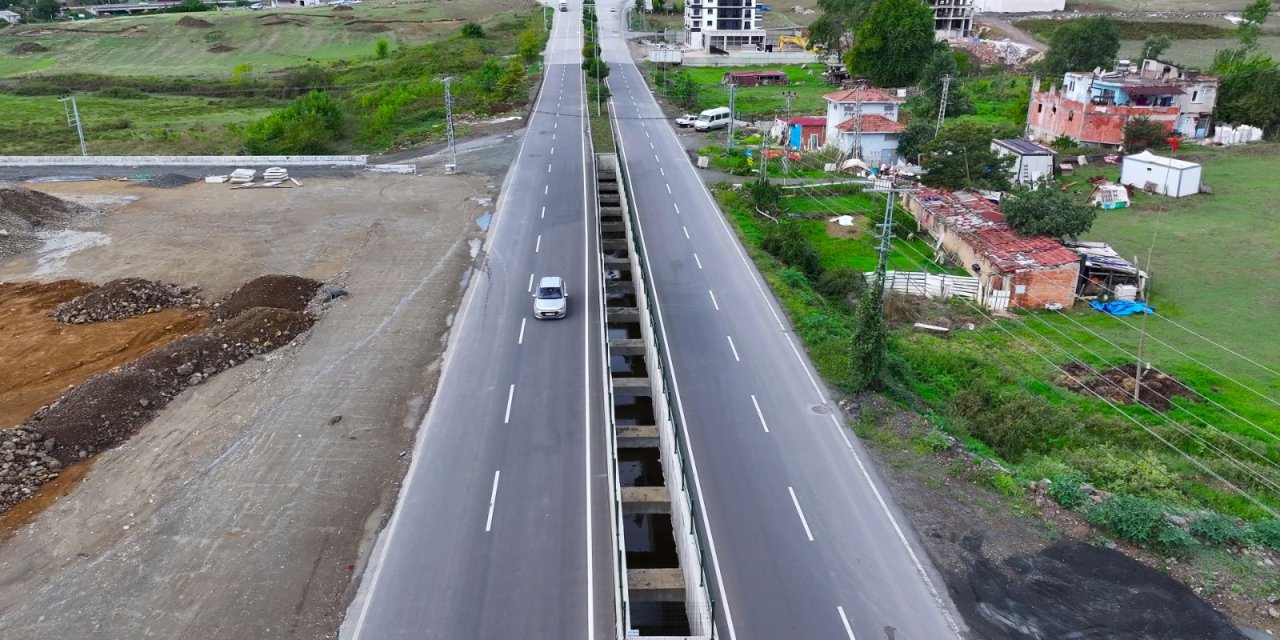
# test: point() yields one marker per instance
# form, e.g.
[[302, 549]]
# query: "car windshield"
[[704, 117], [549, 293]]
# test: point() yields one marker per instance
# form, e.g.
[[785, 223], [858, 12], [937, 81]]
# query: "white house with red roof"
[[877, 120]]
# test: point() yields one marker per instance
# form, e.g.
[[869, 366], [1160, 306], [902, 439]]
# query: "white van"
[[717, 118]]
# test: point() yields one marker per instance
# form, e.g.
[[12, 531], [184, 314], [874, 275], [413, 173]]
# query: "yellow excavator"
[[793, 43]]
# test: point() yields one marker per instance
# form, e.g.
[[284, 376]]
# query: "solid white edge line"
[[847, 629], [511, 393], [800, 512], [759, 413], [697, 260], [734, 349], [537, 246], [493, 497], [520, 340], [713, 299], [390, 529], [675, 388], [586, 356]]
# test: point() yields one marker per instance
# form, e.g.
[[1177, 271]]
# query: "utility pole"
[[1146, 311], [856, 149], [732, 114], [595, 44], [73, 120], [942, 104], [789, 96], [764, 158], [452, 166], [886, 235]]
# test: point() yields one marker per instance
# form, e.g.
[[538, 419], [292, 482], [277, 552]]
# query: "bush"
[[788, 243], [1265, 533], [1067, 489], [1216, 528], [766, 195], [381, 48], [309, 125], [1010, 420], [123, 93], [472, 30], [1135, 519], [842, 284], [1122, 471], [794, 278]]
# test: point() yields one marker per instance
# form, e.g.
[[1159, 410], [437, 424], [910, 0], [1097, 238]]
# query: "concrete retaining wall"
[[180, 161]]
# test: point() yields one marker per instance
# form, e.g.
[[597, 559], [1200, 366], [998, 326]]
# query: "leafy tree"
[[1082, 45], [683, 90], [1239, 70], [788, 243], [472, 30], [381, 48], [894, 43], [844, 285], [867, 346], [961, 157], [46, 9], [838, 22], [942, 64], [529, 46], [240, 73], [511, 82], [1047, 211], [308, 125], [188, 6], [912, 141], [1254, 15], [1155, 45], [766, 195], [1142, 133], [1259, 106]]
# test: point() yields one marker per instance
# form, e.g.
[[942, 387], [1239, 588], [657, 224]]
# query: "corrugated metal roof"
[[981, 225], [809, 121]]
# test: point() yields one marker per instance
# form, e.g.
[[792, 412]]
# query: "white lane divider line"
[[553, 137], [537, 245], [803, 521], [713, 299], [556, 126], [686, 232], [668, 187], [546, 189], [511, 393], [530, 283], [646, 134], [544, 212], [695, 259], [520, 340], [656, 159], [759, 414], [553, 151], [734, 349], [493, 497], [847, 629], [548, 167], [651, 145], [676, 207], [663, 171]]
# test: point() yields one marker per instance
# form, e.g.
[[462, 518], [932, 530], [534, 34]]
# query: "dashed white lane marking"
[[713, 299], [546, 189], [695, 259], [651, 146], [646, 134], [493, 497], [676, 207], [544, 212], [657, 159], [759, 414], [511, 393], [668, 188], [733, 349], [843, 618], [686, 232], [548, 169], [537, 245], [520, 340], [553, 151], [530, 283], [808, 534]]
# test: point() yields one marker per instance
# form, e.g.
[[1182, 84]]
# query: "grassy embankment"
[[1195, 41], [994, 388], [136, 105]]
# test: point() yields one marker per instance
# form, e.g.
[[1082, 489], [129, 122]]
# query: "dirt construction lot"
[[242, 509]]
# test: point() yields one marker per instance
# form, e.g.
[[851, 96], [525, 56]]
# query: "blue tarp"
[[1122, 307]]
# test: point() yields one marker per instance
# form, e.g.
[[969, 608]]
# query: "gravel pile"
[[125, 298], [24, 213], [25, 464], [109, 408], [278, 291], [171, 180]]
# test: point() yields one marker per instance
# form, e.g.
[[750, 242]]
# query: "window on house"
[[1195, 96], [1071, 115], [1055, 109], [1039, 108]]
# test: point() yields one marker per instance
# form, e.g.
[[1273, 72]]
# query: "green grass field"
[[36, 125], [1198, 53], [763, 102], [267, 40]]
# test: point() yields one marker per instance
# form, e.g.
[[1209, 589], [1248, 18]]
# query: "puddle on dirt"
[[473, 246], [639, 468], [483, 221], [51, 257]]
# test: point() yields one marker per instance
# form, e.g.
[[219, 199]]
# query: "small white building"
[[1032, 162], [1019, 6], [870, 112], [1166, 176], [9, 17]]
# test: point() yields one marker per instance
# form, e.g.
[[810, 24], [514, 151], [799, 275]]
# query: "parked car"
[[550, 301], [685, 121]]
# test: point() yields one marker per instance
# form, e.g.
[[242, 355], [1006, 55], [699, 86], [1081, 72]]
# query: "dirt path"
[[1001, 28], [242, 510]]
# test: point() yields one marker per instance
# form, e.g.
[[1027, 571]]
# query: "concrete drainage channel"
[[665, 591]]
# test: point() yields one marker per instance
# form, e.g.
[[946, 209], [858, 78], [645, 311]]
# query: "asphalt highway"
[[805, 540], [502, 527]]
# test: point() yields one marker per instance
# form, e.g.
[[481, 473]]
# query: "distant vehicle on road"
[[685, 121], [717, 118], [564, 5], [550, 301]]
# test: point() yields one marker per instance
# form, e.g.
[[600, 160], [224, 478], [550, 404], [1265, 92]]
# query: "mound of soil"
[[194, 23], [125, 298], [109, 408], [25, 464], [221, 48], [24, 212], [170, 180], [1116, 384], [342, 8], [278, 291], [1077, 590], [371, 28], [28, 47]]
